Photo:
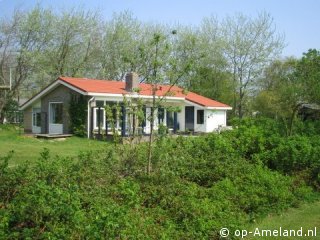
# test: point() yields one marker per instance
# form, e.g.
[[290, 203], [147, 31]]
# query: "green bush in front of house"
[[78, 110], [198, 185]]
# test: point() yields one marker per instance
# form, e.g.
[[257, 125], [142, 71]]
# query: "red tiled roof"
[[116, 87]]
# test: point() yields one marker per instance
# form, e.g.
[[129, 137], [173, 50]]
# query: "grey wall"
[[59, 94], [27, 120]]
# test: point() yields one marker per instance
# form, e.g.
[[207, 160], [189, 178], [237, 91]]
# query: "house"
[[47, 112]]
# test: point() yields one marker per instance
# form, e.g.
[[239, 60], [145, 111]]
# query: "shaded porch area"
[[107, 118]]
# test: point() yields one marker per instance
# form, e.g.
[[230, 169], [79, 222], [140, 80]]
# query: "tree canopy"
[[224, 60]]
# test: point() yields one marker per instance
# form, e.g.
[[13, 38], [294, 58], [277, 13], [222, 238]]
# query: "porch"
[[125, 122]]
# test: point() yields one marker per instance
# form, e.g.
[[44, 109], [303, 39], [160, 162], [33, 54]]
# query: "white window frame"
[[50, 103], [35, 111], [95, 115]]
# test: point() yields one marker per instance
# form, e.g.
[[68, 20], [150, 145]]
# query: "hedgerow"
[[198, 185]]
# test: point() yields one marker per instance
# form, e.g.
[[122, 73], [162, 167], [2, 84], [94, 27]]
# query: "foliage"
[[249, 46], [39, 45], [288, 85], [198, 185], [11, 111], [308, 72], [78, 114]]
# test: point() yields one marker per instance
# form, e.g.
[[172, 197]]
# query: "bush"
[[198, 185]]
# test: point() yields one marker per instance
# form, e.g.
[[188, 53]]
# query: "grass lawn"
[[307, 216], [28, 148]]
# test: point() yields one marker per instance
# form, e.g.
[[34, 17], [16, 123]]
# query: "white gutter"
[[132, 96], [89, 115]]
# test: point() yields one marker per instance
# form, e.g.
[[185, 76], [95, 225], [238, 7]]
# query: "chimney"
[[132, 81]]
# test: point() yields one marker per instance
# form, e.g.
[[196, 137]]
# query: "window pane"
[[200, 116], [38, 119], [34, 121], [56, 113], [160, 115], [170, 121], [99, 118]]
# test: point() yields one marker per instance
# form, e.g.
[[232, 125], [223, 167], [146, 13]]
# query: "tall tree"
[[250, 44], [22, 38], [123, 40], [308, 71], [211, 77], [282, 92]]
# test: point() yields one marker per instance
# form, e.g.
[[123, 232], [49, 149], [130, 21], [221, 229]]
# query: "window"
[[200, 116], [160, 115], [170, 119], [56, 111], [113, 120], [99, 117], [36, 117]]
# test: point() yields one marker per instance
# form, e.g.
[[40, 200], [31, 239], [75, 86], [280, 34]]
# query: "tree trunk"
[[151, 135], [240, 110]]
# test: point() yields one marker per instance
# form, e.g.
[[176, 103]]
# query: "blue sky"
[[298, 20]]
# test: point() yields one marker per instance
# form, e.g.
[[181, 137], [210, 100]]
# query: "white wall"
[[148, 123], [214, 118], [200, 127], [181, 119]]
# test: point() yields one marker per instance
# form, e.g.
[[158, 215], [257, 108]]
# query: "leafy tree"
[[123, 38], [308, 71], [21, 40], [282, 92], [249, 45], [209, 76]]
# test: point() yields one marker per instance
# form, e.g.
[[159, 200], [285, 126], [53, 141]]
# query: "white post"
[[89, 114]]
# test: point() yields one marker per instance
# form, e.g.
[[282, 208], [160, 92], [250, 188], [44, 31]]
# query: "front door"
[[189, 118], [36, 120], [55, 118]]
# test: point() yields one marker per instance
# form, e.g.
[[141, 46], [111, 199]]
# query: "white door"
[[36, 120], [55, 118]]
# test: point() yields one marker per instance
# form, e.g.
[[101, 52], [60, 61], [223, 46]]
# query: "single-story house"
[[48, 111]]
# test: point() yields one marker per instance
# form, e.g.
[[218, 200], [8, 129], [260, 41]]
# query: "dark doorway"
[[189, 118]]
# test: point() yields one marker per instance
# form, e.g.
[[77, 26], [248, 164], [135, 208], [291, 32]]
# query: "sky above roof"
[[298, 20]]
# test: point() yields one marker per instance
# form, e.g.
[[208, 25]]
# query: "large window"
[[56, 112], [200, 117]]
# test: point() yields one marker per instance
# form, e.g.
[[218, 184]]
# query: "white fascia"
[[209, 108], [219, 108], [114, 95], [194, 104]]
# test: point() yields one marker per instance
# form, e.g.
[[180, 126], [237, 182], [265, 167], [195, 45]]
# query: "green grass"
[[28, 148], [307, 216]]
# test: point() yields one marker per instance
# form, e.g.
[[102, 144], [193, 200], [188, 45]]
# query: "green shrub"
[[198, 185]]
